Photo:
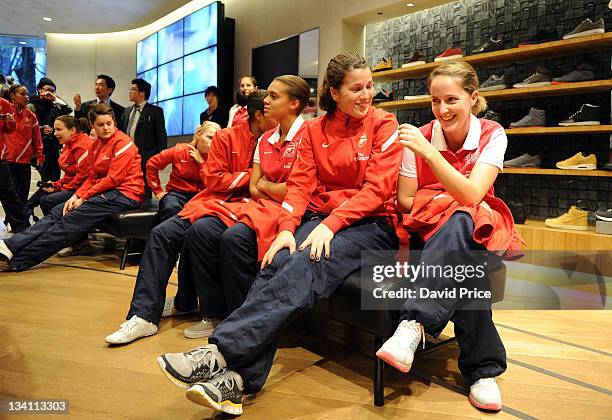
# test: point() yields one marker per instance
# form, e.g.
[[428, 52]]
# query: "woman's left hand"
[[412, 138], [319, 240]]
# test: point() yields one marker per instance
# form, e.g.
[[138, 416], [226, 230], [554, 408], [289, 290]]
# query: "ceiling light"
[[410, 4], [22, 42], [47, 19]]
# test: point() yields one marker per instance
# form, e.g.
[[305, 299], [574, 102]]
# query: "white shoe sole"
[[450, 57], [496, 87], [585, 33], [562, 124], [605, 219], [198, 334], [413, 63], [409, 97], [488, 407], [162, 366], [585, 167], [528, 85], [569, 227], [197, 395], [126, 341]]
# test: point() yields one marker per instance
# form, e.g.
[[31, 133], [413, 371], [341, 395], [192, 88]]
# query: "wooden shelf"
[[562, 172], [549, 131], [510, 94], [541, 237], [538, 51]]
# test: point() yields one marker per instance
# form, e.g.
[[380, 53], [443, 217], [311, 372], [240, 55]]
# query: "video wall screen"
[[179, 60]]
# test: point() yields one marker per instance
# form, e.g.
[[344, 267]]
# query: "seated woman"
[[219, 258], [446, 186], [114, 185], [340, 198], [187, 176], [238, 113]]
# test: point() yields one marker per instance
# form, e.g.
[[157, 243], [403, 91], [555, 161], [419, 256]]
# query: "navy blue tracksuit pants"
[[482, 353], [56, 231], [50, 200], [283, 290], [14, 208], [171, 203]]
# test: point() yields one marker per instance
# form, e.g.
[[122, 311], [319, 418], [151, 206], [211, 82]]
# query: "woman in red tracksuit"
[[187, 176], [446, 186], [339, 202], [114, 185], [238, 112], [23, 143], [74, 160]]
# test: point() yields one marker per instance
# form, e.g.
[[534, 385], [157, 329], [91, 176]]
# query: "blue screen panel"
[[151, 77], [146, 53], [173, 114], [170, 42], [201, 29], [170, 80], [193, 106], [200, 70]]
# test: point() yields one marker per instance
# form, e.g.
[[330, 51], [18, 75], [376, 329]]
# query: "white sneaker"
[[202, 329], [484, 394], [170, 309], [399, 350], [5, 252], [130, 330]]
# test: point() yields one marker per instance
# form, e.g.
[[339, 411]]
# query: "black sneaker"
[[541, 36], [420, 92], [222, 393], [587, 115], [492, 116], [417, 58], [383, 96], [605, 215], [490, 45], [586, 27], [199, 364]]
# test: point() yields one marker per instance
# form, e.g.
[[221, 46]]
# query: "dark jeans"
[[172, 203], [14, 208], [22, 175]]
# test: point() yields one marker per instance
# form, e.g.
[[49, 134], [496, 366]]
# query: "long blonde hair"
[[467, 77]]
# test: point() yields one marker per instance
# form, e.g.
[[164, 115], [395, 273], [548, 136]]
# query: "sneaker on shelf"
[[607, 167], [492, 116], [450, 54], [383, 64], [540, 37], [132, 329], [586, 27], [202, 329], [416, 59], [383, 96], [222, 393], [524, 161], [605, 215], [81, 248], [519, 211], [534, 118], [199, 364], [485, 395], [541, 77], [574, 219], [583, 73], [494, 82], [170, 309], [420, 93], [587, 115], [490, 45], [398, 350], [579, 162]]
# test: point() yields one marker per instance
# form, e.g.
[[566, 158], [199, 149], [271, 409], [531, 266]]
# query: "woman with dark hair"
[[339, 202], [216, 111], [114, 185], [237, 113]]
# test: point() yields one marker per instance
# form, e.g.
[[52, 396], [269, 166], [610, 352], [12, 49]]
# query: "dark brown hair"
[[82, 125], [100, 109], [337, 68], [296, 88]]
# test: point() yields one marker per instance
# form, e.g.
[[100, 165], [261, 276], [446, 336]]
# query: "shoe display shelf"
[[540, 237], [562, 172], [550, 131]]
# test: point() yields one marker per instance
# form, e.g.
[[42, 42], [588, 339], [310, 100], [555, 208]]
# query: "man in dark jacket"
[[105, 86]]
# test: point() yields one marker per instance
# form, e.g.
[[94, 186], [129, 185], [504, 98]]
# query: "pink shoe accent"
[[490, 407], [387, 357]]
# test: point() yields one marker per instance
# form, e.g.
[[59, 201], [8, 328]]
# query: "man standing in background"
[[105, 85]]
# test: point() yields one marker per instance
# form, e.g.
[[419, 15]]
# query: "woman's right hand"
[[284, 239]]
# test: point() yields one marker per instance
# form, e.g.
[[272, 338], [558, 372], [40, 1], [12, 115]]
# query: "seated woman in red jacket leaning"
[[114, 185], [187, 176], [446, 186], [340, 198]]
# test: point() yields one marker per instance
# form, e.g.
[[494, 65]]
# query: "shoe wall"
[[468, 25]]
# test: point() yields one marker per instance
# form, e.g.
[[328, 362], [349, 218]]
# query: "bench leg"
[[126, 250], [379, 383]]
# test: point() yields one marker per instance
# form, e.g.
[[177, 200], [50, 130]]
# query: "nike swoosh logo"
[[325, 145], [234, 152]]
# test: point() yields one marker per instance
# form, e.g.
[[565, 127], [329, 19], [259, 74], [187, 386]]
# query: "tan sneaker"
[[579, 162], [574, 219], [202, 329], [383, 64]]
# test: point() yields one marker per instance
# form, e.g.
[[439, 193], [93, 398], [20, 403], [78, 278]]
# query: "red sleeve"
[[124, 152], [156, 164], [202, 169], [300, 185], [6, 108], [83, 167], [37, 143], [379, 181], [217, 176]]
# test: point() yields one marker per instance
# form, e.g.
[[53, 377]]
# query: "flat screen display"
[[173, 114], [170, 80], [193, 106], [151, 77], [200, 70], [170, 42], [146, 53], [200, 29]]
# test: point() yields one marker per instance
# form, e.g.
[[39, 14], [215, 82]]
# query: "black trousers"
[[50, 170], [22, 175], [172, 203], [14, 208]]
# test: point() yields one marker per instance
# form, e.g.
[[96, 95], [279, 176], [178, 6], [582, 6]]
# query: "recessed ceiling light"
[[22, 42], [47, 19], [410, 4]]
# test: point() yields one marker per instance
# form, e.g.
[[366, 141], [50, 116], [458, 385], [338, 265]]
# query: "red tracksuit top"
[[26, 140], [241, 116], [227, 171], [6, 127], [116, 166], [187, 175], [346, 168], [432, 207], [75, 162]]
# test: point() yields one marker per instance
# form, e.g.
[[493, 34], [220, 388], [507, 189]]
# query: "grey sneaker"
[[202, 329], [222, 393], [170, 309], [494, 82], [524, 161], [535, 118], [199, 364], [540, 78], [583, 73], [586, 27], [605, 215]]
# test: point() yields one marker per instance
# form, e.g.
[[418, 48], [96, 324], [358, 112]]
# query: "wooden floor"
[[53, 320]]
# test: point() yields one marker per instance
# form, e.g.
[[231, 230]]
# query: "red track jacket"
[[75, 162], [6, 127], [25, 141], [187, 175]]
